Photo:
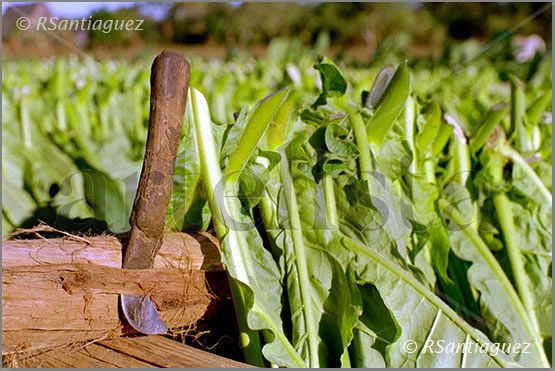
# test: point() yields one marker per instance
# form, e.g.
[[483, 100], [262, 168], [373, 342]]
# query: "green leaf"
[[327, 298], [389, 106], [534, 237], [394, 159], [430, 129], [505, 315], [380, 84], [428, 224], [106, 196], [262, 117], [279, 126], [17, 204], [333, 83], [535, 110], [406, 298], [47, 165], [486, 128], [339, 141], [253, 272], [443, 135], [187, 209]]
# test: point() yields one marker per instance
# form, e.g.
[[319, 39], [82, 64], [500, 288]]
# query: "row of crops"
[[359, 209]]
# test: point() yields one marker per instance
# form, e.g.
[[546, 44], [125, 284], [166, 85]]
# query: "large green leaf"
[[253, 272], [327, 299], [437, 323], [506, 317], [47, 166], [106, 196], [17, 204], [187, 209]]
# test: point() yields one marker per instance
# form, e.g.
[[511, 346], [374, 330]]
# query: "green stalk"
[[361, 138], [496, 268], [484, 130], [25, 122], [517, 158], [524, 140], [329, 196], [300, 260], [410, 133], [461, 160], [429, 170], [61, 119], [211, 174], [365, 163], [534, 112], [461, 157], [506, 221]]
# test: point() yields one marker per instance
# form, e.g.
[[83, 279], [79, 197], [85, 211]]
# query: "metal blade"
[[142, 315]]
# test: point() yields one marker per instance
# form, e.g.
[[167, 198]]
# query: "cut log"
[[62, 291], [152, 351]]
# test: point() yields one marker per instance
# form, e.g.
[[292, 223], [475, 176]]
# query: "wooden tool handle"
[[169, 83]]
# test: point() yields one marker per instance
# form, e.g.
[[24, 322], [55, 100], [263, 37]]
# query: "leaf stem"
[[505, 216], [361, 138], [300, 260], [506, 220], [517, 158], [211, 174], [430, 171], [329, 195], [25, 122], [410, 134], [233, 242], [496, 268]]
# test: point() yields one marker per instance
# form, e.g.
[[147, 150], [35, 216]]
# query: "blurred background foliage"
[[356, 30], [85, 96]]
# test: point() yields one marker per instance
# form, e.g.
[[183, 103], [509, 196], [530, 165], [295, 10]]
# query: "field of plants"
[[391, 215]]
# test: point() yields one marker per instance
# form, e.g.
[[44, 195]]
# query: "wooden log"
[[132, 352], [61, 291]]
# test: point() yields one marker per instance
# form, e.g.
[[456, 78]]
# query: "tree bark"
[[62, 291]]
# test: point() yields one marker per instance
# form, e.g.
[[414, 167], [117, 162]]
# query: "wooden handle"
[[169, 83]]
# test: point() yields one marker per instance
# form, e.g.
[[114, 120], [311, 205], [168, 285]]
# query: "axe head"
[[169, 82], [142, 315]]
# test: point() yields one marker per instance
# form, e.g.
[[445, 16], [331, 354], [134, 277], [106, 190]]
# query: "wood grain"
[[135, 352], [61, 291]]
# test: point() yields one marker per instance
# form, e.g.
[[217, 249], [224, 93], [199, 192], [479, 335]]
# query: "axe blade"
[[142, 315]]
